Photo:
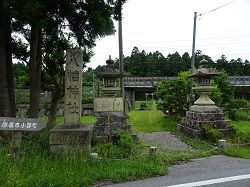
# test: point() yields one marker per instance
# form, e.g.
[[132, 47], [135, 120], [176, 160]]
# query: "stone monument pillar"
[[204, 111], [73, 88], [109, 107], [72, 136]]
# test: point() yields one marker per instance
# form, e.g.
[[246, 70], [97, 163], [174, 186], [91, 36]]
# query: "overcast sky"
[[167, 26]]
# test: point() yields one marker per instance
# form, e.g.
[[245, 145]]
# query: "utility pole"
[[193, 58], [93, 89], [121, 56]]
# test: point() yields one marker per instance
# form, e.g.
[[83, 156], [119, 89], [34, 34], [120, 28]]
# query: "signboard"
[[108, 104], [21, 124]]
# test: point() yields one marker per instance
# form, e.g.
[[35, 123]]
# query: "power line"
[[217, 8], [169, 41]]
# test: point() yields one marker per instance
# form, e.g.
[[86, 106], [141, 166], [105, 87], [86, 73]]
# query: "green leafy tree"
[[225, 90], [21, 75], [172, 95], [85, 20]]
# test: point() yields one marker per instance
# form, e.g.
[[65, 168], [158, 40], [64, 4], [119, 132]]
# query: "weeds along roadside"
[[37, 167]]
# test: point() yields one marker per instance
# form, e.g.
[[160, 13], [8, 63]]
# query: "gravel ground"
[[163, 140]]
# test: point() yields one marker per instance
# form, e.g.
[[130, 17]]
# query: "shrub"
[[238, 103], [243, 114], [232, 131], [143, 106], [211, 134], [123, 146], [232, 114], [235, 136], [126, 143]]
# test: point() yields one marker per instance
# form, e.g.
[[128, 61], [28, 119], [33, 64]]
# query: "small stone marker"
[[94, 156], [17, 125], [221, 145], [152, 151]]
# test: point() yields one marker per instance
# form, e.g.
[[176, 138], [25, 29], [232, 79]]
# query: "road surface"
[[215, 171]]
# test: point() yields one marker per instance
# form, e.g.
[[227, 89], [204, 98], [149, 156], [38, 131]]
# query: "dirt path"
[[163, 140]]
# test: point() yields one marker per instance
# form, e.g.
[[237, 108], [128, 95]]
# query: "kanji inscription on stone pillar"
[[73, 87]]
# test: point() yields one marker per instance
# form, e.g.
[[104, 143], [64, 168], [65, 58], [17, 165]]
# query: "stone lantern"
[[110, 79], [204, 111], [203, 77], [109, 107]]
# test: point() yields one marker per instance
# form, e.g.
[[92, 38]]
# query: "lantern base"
[[198, 116]]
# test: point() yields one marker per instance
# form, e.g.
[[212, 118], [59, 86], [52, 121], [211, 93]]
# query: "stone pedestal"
[[70, 140], [109, 123], [198, 116]]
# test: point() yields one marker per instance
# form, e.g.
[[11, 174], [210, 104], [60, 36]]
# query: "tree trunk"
[[7, 96], [35, 69], [56, 96], [10, 75]]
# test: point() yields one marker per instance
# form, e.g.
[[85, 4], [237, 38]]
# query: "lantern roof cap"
[[110, 61], [110, 70], [204, 70]]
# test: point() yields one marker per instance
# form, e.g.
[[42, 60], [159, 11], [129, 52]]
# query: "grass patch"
[[243, 126], [120, 161], [37, 167], [148, 103], [196, 143], [88, 119], [83, 120], [238, 151], [151, 120]]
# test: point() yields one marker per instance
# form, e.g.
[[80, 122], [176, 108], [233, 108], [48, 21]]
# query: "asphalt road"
[[215, 171]]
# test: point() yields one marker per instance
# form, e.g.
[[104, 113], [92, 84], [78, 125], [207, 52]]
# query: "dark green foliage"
[[243, 114], [154, 64], [87, 100], [143, 106], [232, 114], [172, 95], [37, 168], [239, 143], [123, 146], [238, 103], [22, 96], [128, 146], [224, 87], [234, 135], [140, 63], [211, 134], [232, 131], [234, 111]]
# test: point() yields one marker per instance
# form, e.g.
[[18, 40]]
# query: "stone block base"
[[70, 140], [108, 124], [198, 116], [189, 131]]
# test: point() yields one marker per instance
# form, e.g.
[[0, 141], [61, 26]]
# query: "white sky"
[[167, 26]]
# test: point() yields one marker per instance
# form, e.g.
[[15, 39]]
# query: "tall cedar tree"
[[7, 97], [87, 20]]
